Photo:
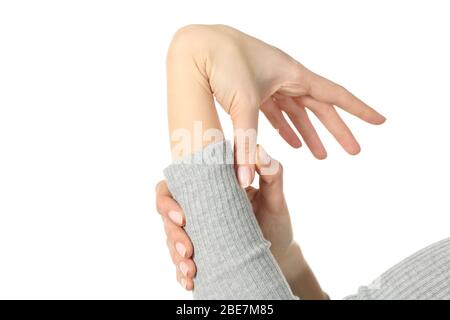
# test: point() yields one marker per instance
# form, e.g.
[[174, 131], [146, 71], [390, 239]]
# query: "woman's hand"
[[272, 214], [245, 74]]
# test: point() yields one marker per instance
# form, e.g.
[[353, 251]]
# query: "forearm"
[[192, 116], [299, 275], [233, 259]]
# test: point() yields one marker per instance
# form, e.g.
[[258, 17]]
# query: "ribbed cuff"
[[232, 257]]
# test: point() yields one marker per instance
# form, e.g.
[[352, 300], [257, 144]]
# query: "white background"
[[83, 139]]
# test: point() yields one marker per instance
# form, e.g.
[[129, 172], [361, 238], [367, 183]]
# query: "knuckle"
[[162, 205], [171, 235], [324, 110], [280, 169], [158, 205], [298, 71], [277, 171], [189, 248], [192, 268], [159, 185], [187, 33], [342, 93], [187, 39]]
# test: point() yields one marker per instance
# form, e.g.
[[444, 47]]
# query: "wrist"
[[291, 262], [299, 275], [199, 41]]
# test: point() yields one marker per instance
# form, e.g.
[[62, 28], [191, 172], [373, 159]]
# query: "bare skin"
[[246, 75]]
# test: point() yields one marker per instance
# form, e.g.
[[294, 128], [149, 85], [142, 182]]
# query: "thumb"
[[269, 170], [245, 124]]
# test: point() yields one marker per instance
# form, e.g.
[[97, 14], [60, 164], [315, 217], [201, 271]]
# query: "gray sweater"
[[234, 260]]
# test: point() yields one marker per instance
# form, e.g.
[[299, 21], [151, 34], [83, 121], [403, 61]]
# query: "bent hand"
[[246, 74], [272, 213]]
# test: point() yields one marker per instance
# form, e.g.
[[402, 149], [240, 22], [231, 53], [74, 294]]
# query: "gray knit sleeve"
[[232, 257], [424, 275]]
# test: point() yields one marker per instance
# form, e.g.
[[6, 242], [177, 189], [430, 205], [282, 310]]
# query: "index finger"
[[327, 91], [167, 206], [161, 189]]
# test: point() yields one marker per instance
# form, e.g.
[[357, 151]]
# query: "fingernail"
[[181, 249], [176, 217], [264, 158], [183, 268], [244, 176], [184, 283]]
